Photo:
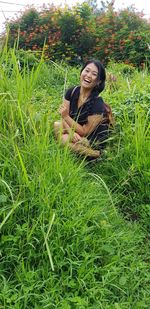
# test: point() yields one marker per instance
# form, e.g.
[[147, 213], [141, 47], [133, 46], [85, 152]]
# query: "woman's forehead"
[[92, 67]]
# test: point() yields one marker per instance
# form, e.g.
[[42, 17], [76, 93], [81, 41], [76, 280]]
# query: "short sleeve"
[[68, 93], [97, 107]]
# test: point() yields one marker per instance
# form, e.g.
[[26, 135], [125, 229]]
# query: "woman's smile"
[[89, 76]]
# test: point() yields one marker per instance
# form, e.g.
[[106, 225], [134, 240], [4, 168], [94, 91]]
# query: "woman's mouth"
[[87, 81]]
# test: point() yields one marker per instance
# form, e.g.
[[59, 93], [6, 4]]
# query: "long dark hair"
[[108, 116], [101, 76]]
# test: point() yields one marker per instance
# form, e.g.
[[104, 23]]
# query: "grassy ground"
[[74, 234]]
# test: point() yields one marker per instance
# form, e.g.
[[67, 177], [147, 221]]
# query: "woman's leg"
[[81, 147], [60, 131], [57, 128], [60, 128]]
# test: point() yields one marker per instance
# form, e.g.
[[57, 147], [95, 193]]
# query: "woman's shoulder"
[[70, 91], [99, 100], [98, 105]]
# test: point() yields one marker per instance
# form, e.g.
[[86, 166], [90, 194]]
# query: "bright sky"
[[9, 8]]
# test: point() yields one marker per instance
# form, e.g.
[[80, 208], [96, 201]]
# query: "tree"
[[84, 31]]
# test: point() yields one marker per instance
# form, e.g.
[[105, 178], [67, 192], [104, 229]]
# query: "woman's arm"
[[92, 122], [65, 106], [86, 129]]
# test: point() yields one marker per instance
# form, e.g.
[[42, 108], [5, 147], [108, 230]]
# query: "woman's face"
[[89, 76]]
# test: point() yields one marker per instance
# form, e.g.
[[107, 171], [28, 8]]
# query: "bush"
[[104, 34]]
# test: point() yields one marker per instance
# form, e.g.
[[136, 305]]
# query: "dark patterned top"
[[93, 106]]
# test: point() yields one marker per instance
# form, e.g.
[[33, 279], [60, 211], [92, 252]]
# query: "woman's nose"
[[89, 74]]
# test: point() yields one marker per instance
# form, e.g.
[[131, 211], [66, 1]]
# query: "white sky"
[[9, 8]]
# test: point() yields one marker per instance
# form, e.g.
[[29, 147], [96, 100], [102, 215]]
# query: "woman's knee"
[[57, 128], [57, 124]]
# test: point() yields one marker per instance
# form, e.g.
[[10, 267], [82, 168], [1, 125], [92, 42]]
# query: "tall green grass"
[[64, 240]]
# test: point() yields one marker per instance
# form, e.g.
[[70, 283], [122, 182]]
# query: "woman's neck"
[[84, 95]]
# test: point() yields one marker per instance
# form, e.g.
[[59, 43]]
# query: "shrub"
[[105, 34]]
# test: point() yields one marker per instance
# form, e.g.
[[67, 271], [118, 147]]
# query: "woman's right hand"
[[76, 137], [63, 111], [64, 108]]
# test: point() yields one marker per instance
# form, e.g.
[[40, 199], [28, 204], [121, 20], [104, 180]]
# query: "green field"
[[74, 234]]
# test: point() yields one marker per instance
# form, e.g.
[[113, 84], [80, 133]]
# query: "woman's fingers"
[[76, 138], [61, 107], [63, 110]]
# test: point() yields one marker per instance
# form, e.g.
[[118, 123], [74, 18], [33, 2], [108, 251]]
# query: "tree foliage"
[[83, 31]]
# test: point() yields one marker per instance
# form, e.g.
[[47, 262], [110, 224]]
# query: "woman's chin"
[[87, 85]]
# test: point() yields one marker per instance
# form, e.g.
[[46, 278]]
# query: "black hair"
[[101, 76]]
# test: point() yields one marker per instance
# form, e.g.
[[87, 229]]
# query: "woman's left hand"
[[63, 111], [76, 138]]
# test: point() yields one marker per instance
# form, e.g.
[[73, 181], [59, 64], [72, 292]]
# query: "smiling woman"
[[85, 123]]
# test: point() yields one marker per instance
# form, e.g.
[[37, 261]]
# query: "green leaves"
[[105, 34], [3, 198], [122, 280], [65, 242]]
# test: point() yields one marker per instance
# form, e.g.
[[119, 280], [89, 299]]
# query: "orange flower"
[[106, 51], [97, 48]]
